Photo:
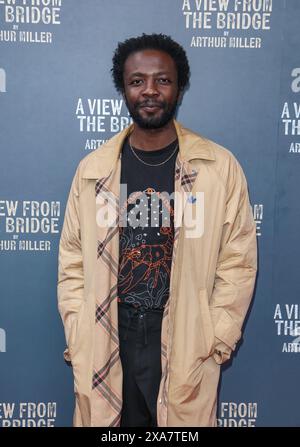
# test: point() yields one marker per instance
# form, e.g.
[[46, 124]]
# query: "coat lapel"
[[107, 383]]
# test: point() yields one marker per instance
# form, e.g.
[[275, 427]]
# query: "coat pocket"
[[74, 330], [206, 328], [194, 377]]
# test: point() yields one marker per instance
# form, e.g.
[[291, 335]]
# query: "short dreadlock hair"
[[154, 42]]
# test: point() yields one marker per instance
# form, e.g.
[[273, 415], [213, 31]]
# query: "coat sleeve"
[[236, 266], [70, 267]]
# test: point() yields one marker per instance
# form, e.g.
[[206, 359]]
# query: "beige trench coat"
[[212, 282]]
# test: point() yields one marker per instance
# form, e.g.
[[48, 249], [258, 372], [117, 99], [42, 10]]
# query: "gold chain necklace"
[[150, 164]]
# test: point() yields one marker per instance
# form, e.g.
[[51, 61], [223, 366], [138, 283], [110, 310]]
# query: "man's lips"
[[150, 107]]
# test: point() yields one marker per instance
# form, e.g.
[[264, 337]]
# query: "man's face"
[[150, 88]]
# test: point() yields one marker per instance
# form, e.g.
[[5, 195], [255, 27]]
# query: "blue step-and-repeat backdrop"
[[58, 103]]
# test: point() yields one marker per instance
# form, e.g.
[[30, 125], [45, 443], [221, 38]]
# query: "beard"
[[155, 120]]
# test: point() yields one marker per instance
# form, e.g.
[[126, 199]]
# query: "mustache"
[[150, 104]]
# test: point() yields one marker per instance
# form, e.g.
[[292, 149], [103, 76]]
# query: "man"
[[157, 257]]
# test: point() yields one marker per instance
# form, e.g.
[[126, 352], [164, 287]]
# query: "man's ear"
[[180, 96], [123, 96]]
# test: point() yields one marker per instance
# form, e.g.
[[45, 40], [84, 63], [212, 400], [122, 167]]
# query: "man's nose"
[[150, 88]]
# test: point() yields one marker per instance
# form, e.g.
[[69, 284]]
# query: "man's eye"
[[135, 82], [164, 80]]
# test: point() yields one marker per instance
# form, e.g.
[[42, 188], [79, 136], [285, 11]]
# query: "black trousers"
[[140, 350]]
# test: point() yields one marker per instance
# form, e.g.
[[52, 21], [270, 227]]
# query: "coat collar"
[[102, 160]]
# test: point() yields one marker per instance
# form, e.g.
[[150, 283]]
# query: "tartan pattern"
[[104, 252], [100, 376], [102, 315], [104, 390], [107, 373], [108, 197], [100, 185], [188, 179], [177, 169], [107, 393]]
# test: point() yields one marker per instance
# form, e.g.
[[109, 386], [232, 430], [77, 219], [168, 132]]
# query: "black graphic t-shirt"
[[146, 225]]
